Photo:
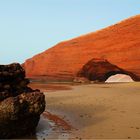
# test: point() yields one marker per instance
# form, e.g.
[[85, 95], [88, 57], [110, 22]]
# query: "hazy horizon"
[[30, 27]]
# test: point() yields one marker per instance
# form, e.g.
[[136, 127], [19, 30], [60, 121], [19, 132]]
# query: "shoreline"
[[99, 111], [95, 111]]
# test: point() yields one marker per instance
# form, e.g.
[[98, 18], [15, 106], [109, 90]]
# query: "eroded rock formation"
[[119, 44], [100, 70], [20, 106]]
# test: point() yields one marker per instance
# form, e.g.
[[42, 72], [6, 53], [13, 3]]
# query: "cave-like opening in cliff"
[[119, 78]]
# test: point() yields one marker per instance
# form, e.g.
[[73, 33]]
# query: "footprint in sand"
[[114, 109], [123, 111], [81, 116]]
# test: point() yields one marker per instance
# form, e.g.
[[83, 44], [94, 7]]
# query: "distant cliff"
[[119, 44]]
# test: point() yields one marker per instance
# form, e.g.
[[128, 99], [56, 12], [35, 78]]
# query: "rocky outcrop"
[[99, 70], [81, 79], [20, 106], [119, 44]]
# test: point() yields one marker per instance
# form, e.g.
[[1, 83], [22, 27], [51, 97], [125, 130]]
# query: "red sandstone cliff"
[[119, 44]]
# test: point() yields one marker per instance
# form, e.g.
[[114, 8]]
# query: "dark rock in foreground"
[[20, 106], [99, 70]]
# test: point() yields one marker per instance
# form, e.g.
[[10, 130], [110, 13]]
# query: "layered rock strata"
[[119, 44]]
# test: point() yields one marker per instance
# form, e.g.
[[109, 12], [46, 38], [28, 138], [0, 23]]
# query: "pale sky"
[[28, 27]]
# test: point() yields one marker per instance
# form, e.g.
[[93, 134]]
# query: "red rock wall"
[[119, 44]]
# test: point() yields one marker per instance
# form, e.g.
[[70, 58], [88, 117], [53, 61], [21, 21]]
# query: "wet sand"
[[93, 111], [99, 111], [51, 87]]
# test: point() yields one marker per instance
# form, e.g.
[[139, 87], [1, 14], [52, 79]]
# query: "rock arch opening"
[[119, 78]]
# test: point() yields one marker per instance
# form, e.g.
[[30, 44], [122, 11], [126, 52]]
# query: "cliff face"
[[119, 44]]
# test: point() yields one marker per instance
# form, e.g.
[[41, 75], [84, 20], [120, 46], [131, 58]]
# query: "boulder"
[[20, 106]]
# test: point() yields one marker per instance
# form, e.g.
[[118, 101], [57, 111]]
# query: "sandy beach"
[[95, 111]]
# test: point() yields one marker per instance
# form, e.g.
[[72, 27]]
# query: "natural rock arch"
[[101, 69]]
